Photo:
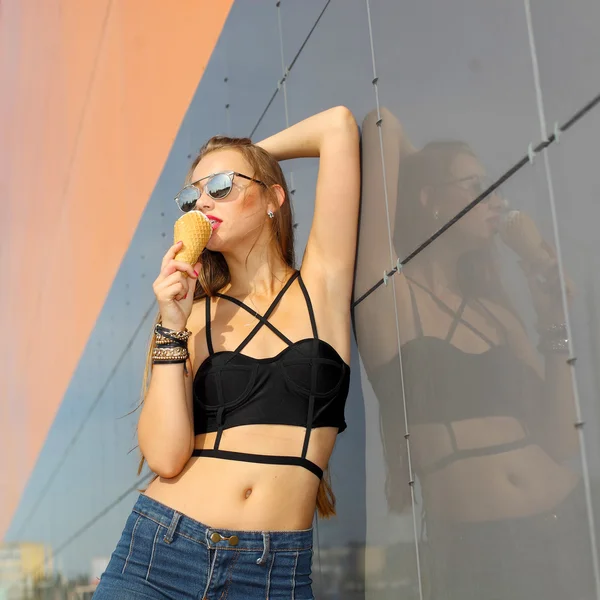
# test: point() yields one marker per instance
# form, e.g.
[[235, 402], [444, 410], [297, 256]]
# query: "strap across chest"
[[262, 319]]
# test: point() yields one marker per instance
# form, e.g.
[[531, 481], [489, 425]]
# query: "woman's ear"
[[279, 197], [429, 202], [425, 197]]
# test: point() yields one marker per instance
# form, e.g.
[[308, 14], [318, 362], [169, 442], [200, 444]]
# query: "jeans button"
[[215, 537]]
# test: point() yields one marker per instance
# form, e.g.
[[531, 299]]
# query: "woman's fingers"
[[175, 277], [173, 287], [175, 282], [175, 266], [179, 291], [171, 253], [193, 273], [167, 279]]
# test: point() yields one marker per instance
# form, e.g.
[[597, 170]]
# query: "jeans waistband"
[[178, 523]]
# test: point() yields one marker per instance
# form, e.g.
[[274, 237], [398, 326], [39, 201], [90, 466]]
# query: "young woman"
[[238, 424], [490, 419]]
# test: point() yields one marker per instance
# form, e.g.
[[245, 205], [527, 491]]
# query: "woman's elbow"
[[167, 469], [342, 117], [166, 461]]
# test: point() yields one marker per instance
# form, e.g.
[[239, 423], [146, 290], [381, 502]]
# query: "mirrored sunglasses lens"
[[187, 197], [478, 187], [484, 184], [218, 187]]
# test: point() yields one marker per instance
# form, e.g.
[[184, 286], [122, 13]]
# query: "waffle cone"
[[194, 230], [520, 233]]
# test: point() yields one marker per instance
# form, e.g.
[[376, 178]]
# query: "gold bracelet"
[[169, 355]]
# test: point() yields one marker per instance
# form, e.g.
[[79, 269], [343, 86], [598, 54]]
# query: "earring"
[[271, 214], [436, 214]]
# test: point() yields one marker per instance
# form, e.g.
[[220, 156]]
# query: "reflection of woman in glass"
[[491, 425], [249, 377]]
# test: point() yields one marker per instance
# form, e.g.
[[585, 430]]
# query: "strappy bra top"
[[445, 384], [306, 385]]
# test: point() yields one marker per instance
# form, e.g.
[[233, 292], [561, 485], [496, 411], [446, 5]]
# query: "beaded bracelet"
[[554, 339]]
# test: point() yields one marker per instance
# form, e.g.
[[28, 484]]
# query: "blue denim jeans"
[[165, 554]]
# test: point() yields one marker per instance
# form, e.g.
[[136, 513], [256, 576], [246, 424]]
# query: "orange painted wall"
[[92, 95]]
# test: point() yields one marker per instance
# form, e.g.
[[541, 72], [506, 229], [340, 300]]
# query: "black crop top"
[[438, 389], [306, 384]]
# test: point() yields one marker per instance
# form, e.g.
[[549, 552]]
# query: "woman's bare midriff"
[[505, 485], [244, 495]]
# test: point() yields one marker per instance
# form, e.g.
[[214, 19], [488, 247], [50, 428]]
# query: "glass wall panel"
[[576, 192], [271, 121], [566, 40], [489, 393], [335, 66], [297, 21], [252, 46], [455, 71], [390, 554]]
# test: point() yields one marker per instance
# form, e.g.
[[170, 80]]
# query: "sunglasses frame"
[[485, 181], [230, 174]]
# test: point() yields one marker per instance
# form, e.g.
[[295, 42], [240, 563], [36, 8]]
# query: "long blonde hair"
[[214, 273]]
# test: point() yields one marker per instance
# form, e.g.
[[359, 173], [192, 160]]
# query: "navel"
[[514, 479], [248, 493]]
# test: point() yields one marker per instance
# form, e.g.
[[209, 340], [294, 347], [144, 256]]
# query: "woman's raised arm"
[[332, 136]]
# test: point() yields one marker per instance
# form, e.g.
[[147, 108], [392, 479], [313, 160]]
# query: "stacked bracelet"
[[170, 345], [554, 339], [165, 336]]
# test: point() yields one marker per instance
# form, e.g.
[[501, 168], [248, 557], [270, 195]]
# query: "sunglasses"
[[475, 184], [217, 186]]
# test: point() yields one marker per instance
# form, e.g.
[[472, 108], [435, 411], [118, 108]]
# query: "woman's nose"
[[204, 201], [497, 202]]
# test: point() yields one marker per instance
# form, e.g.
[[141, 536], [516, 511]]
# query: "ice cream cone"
[[519, 232], [194, 230]]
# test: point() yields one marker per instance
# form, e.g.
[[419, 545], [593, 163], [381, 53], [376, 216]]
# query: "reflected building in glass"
[[470, 468]]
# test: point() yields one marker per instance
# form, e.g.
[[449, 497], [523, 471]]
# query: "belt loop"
[[266, 547], [171, 531]]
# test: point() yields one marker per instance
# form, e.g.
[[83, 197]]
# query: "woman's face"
[[242, 213], [467, 180]]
